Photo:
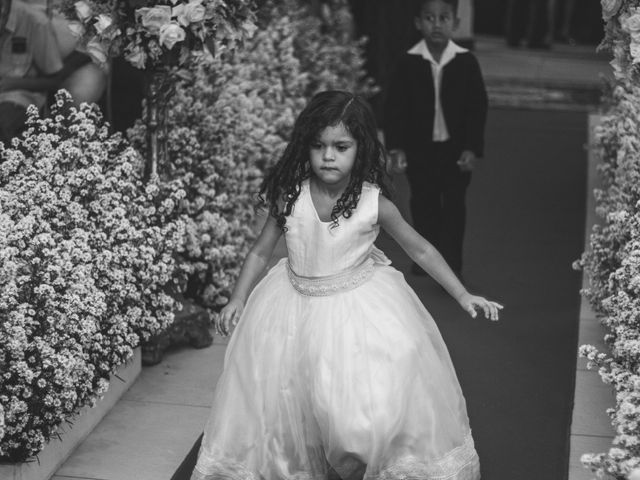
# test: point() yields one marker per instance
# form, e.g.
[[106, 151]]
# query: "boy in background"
[[37, 57], [434, 121]]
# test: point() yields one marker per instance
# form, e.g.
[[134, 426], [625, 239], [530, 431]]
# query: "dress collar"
[[450, 51]]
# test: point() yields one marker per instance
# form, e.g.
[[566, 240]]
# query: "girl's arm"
[[426, 255], [253, 266]]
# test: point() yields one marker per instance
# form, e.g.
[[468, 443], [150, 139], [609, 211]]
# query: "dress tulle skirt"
[[358, 384]]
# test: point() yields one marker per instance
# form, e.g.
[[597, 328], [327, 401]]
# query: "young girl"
[[336, 370]]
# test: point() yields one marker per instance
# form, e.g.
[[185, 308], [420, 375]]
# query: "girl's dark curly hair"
[[281, 186]]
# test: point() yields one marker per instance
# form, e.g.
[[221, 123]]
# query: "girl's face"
[[333, 154]]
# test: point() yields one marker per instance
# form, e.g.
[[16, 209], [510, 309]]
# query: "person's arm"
[[254, 264], [396, 108], [426, 255], [476, 109], [45, 83]]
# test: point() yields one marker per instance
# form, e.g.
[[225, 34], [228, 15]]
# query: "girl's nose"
[[329, 154]]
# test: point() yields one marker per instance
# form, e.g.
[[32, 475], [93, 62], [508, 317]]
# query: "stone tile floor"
[[151, 429]]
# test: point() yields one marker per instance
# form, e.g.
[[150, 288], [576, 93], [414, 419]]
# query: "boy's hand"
[[228, 317], [398, 161], [467, 161], [471, 303]]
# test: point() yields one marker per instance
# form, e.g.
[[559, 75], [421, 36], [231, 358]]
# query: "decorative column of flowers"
[[167, 40], [229, 124], [161, 37], [622, 37], [613, 259]]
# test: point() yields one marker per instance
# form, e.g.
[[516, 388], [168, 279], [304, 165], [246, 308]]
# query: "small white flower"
[[188, 13], [97, 51], [103, 22], [610, 8], [170, 34], [83, 10], [77, 28], [634, 50], [630, 23], [154, 18], [137, 58]]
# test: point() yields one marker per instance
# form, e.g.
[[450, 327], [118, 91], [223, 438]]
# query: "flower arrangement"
[[613, 259], [86, 268], [328, 52], [154, 33], [622, 36], [231, 123], [329, 55]]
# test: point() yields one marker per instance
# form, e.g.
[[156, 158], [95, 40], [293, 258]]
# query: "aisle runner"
[[525, 228]]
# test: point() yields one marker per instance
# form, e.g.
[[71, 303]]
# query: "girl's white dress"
[[336, 367]]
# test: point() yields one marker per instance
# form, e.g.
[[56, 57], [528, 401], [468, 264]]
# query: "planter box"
[[591, 429], [57, 451]]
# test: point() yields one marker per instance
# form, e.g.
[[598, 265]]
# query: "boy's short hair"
[[418, 4]]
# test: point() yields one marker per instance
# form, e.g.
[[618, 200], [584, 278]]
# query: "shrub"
[[613, 259], [86, 262]]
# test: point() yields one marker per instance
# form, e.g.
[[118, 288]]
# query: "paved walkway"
[[566, 78], [591, 430], [153, 427]]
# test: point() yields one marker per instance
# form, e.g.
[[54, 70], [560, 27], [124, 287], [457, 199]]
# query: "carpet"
[[525, 227]]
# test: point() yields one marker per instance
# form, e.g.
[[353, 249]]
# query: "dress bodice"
[[315, 249]]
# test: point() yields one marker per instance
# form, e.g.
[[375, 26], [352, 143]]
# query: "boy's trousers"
[[438, 190]]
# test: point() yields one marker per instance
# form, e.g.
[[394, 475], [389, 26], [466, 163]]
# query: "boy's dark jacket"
[[410, 104]]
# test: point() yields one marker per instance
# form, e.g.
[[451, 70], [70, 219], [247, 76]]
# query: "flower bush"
[[325, 47], [613, 259], [86, 268], [228, 125], [622, 36], [152, 33]]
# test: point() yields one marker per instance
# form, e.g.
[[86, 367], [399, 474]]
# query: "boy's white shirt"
[[440, 131]]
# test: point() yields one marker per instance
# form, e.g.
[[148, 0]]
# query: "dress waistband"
[[332, 284]]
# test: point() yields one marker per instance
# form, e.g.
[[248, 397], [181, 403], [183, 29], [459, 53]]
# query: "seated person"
[[38, 57]]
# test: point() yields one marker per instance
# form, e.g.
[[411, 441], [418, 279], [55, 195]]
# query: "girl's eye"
[[315, 146], [342, 148]]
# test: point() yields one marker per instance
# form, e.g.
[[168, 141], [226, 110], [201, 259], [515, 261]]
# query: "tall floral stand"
[[191, 324], [158, 87], [54, 454]]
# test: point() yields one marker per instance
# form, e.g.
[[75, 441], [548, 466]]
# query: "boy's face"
[[437, 22]]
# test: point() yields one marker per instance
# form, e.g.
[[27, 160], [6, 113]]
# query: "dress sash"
[[332, 284]]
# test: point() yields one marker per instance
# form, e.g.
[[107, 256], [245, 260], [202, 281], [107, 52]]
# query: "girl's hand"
[[228, 317], [472, 302]]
